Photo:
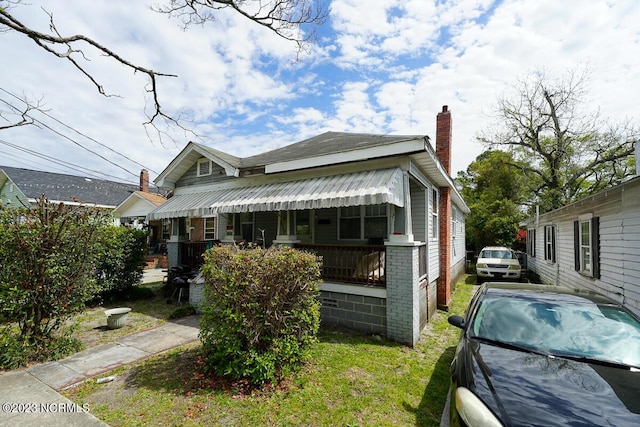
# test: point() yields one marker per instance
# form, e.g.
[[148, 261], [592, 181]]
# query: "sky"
[[378, 66]]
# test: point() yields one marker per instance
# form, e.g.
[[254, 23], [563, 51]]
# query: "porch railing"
[[191, 253], [361, 264]]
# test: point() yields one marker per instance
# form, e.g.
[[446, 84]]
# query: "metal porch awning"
[[353, 189]]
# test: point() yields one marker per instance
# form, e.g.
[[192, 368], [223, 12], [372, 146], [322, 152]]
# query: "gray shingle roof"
[[69, 188], [326, 143]]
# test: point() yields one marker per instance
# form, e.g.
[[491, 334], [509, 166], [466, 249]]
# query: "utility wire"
[[91, 172], [76, 131], [29, 164]]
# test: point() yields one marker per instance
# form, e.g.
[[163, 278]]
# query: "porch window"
[[204, 167], [303, 223], [350, 223], [375, 222], [246, 225], [209, 229], [363, 222]]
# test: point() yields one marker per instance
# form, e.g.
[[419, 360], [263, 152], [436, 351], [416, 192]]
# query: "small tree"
[[495, 191], [120, 253], [262, 312], [46, 267]]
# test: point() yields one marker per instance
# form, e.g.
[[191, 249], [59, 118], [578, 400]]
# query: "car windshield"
[[498, 254], [575, 328]]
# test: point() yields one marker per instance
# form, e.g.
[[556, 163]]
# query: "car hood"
[[528, 389]]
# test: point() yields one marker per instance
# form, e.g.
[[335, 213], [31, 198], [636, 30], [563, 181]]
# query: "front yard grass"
[[91, 326], [352, 380]]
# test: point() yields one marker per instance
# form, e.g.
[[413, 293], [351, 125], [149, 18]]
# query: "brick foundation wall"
[[358, 312]]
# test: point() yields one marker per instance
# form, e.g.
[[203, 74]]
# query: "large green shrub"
[[46, 270], [120, 255], [261, 313]]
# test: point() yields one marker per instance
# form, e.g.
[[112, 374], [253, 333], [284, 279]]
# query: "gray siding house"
[[593, 243], [381, 210]]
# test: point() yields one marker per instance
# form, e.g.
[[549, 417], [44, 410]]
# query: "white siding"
[[433, 245], [458, 243], [619, 213], [418, 212]]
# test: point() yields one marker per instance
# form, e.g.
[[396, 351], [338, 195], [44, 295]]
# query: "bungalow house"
[[381, 210], [592, 243], [23, 187]]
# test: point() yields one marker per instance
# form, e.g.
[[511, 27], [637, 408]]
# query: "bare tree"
[[284, 17], [565, 151], [15, 116]]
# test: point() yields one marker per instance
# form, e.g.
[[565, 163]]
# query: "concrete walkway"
[[29, 397]]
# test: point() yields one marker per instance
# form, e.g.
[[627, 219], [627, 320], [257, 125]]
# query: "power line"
[[76, 131], [78, 168]]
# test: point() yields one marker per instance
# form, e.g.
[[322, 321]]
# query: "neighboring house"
[[133, 212], [382, 211], [592, 243], [23, 187]]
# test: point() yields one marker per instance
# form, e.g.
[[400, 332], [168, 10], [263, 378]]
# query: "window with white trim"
[[550, 243], [587, 246], [363, 222], [204, 167], [434, 214], [375, 222], [209, 229]]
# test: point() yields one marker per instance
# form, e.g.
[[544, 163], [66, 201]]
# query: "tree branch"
[[283, 17]]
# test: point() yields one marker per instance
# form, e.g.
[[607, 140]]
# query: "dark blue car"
[[536, 355]]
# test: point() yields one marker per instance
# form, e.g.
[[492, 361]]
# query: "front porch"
[[354, 264]]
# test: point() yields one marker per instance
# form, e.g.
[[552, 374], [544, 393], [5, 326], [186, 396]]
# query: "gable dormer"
[[196, 164]]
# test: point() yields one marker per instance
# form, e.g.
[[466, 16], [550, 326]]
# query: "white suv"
[[497, 262]]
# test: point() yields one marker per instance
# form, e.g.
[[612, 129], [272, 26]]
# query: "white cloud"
[[382, 66]]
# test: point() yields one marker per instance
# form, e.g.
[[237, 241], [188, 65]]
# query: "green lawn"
[[352, 380], [90, 326]]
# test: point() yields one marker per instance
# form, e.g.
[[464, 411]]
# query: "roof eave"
[[168, 177], [406, 147], [429, 162]]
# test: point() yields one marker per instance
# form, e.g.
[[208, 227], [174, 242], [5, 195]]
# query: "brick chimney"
[[144, 180], [443, 138], [443, 152]]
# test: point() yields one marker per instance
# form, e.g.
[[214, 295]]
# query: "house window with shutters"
[[531, 242], [586, 238], [550, 243]]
